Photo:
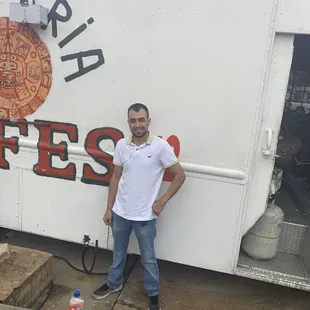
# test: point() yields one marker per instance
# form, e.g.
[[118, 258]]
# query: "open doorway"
[[294, 140], [290, 189]]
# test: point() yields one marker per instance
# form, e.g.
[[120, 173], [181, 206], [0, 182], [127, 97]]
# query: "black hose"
[[94, 260], [84, 270]]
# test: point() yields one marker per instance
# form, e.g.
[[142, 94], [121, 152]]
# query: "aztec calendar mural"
[[25, 70]]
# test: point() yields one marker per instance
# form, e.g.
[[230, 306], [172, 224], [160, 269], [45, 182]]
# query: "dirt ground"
[[183, 288]]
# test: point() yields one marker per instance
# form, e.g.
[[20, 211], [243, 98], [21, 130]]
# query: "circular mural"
[[25, 70]]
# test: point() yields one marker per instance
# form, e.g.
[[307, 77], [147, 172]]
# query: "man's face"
[[138, 122]]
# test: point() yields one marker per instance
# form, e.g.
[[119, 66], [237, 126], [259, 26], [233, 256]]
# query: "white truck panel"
[[10, 199], [186, 232], [200, 66], [294, 16], [62, 209]]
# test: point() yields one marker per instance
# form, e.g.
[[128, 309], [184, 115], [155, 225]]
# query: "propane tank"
[[261, 241]]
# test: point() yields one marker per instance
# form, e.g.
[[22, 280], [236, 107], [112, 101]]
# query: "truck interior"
[[292, 170]]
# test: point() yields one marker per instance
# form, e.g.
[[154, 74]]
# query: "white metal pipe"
[[71, 149], [30, 144], [202, 169], [215, 171]]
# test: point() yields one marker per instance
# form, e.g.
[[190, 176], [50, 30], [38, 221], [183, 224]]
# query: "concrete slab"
[[119, 306], [25, 275], [186, 288], [4, 252], [6, 307]]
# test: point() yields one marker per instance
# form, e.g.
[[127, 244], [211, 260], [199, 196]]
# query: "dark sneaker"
[[154, 307], [154, 303], [104, 291]]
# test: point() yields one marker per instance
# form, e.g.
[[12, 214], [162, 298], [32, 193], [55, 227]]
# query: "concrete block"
[[25, 275], [124, 307], [4, 252], [6, 307]]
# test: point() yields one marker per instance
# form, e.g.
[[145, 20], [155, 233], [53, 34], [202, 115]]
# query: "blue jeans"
[[145, 233]]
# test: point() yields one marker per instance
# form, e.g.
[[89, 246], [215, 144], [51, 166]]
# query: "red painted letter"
[[47, 148], [104, 159], [10, 143], [175, 143]]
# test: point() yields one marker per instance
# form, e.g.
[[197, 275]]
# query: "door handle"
[[269, 133]]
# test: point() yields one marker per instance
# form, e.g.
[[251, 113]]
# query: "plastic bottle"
[[76, 301]]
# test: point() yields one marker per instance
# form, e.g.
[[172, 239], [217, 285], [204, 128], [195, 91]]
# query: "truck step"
[[292, 237], [284, 264], [285, 269]]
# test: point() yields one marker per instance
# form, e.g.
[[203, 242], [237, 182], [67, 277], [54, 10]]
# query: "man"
[[139, 165]]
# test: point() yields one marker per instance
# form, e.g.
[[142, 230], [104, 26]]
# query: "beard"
[[141, 134]]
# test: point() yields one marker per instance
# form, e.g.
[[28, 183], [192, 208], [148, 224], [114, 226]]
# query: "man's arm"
[[116, 175], [177, 182]]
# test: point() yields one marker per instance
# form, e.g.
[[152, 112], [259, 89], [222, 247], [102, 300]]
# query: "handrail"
[[202, 169]]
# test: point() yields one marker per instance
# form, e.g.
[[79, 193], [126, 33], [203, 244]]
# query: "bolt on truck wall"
[[214, 75]]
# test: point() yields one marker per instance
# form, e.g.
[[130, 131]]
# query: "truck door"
[[265, 144]]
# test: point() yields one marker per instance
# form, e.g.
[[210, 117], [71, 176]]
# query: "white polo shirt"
[[143, 171]]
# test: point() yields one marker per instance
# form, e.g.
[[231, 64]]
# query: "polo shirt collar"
[[148, 141]]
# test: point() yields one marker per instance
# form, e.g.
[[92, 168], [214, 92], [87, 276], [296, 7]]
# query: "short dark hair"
[[137, 106]]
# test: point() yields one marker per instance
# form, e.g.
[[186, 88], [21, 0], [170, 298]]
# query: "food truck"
[[227, 84]]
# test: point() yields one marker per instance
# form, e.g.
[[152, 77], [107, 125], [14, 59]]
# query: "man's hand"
[[108, 218], [158, 206]]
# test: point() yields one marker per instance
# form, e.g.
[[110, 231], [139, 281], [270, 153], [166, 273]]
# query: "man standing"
[[139, 165]]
